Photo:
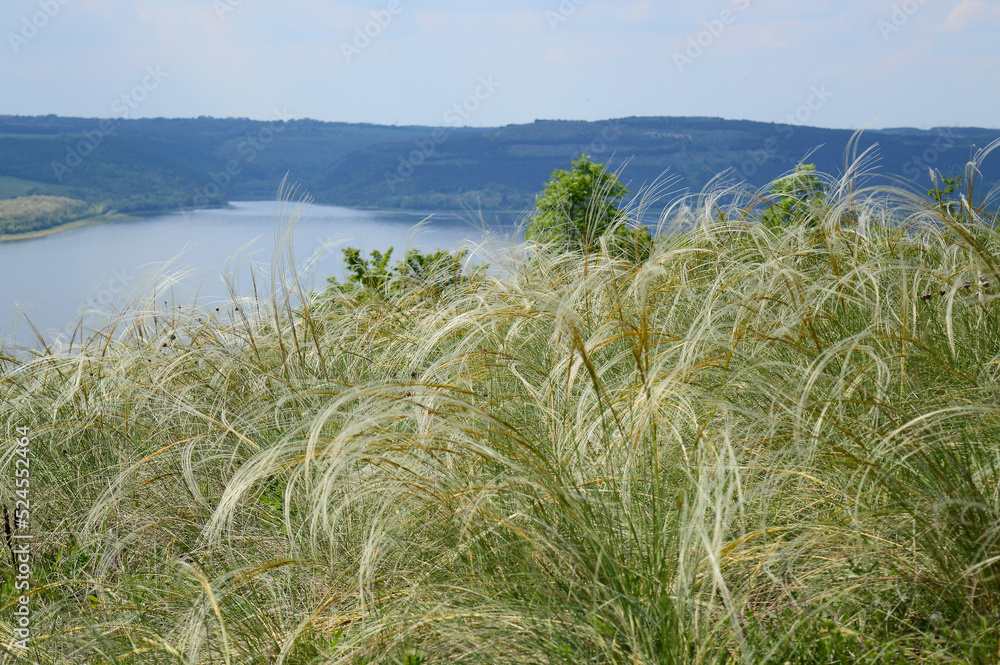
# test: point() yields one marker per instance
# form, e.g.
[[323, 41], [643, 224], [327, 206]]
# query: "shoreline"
[[76, 224], [127, 217], [90, 221]]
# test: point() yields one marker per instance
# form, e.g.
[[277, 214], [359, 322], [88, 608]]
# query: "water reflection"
[[56, 278]]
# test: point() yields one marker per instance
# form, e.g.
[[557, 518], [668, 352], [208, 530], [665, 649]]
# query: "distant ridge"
[[147, 165]]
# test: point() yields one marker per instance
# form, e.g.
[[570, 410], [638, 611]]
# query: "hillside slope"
[[150, 165], [504, 167]]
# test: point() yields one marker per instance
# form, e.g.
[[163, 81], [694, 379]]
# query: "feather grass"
[[757, 445]]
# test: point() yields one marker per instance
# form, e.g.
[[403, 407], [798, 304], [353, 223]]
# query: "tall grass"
[[758, 445]]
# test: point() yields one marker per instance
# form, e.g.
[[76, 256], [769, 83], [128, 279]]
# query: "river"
[[94, 271]]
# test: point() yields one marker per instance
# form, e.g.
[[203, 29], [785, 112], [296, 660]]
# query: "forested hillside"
[[149, 165]]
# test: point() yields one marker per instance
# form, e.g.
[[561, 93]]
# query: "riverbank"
[[53, 276], [99, 219], [121, 217], [86, 221]]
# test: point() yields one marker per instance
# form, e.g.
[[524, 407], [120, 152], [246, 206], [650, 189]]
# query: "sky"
[[828, 63]]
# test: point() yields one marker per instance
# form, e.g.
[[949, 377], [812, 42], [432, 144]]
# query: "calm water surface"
[[56, 279]]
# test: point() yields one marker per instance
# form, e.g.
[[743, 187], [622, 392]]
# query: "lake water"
[[98, 269]]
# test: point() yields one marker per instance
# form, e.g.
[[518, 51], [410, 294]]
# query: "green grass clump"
[[761, 444]]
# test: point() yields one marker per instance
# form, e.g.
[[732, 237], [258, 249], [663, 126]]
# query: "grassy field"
[[29, 214], [762, 444]]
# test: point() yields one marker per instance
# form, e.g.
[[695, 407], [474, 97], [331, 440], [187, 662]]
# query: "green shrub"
[[416, 270], [581, 206], [795, 199]]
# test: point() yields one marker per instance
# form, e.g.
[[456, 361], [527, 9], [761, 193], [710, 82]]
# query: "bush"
[[795, 199], [579, 207], [416, 270]]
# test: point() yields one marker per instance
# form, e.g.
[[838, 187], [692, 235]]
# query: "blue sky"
[[846, 63]]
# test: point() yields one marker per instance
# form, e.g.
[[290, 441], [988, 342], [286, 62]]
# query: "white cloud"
[[969, 11]]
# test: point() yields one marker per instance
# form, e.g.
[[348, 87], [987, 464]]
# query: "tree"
[[794, 198], [434, 271], [579, 206]]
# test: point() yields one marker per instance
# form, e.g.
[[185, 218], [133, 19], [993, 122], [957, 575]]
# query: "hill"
[[503, 167], [149, 165]]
